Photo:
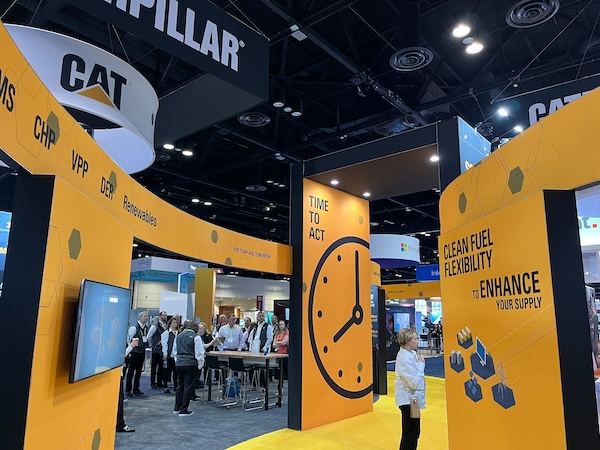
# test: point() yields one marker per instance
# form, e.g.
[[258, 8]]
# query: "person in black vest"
[[167, 339], [154, 334], [263, 333], [137, 355], [188, 351]]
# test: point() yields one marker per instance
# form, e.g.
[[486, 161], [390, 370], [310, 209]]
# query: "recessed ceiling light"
[[269, 181], [134, 244], [518, 128], [287, 108], [187, 153], [207, 203], [461, 30], [147, 256], [168, 146], [334, 182], [139, 255], [434, 158], [503, 112], [366, 194], [474, 48], [195, 200]]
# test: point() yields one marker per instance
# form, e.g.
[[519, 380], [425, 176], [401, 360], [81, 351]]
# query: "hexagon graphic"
[[97, 439], [304, 287], [112, 179], [515, 180], [462, 203], [483, 370], [54, 125], [228, 262], [360, 220], [473, 389], [214, 236], [503, 395], [74, 244], [544, 162]]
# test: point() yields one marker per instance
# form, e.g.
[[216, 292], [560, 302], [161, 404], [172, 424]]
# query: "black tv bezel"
[[78, 327]]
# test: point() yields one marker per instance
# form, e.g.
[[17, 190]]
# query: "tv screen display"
[[100, 329]]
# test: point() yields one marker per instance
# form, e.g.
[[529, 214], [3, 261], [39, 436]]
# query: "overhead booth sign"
[[233, 56]]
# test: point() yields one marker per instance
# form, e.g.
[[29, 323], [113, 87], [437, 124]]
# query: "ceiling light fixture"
[[297, 109], [461, 30], [187, 153], [434, 158], [518, 128], [279, 96], [334, 182], [168, 146], [474, 48], [503, 112], [366, 194], [195, 200], [134, 244], [287, 108], [269, 181], [207, 203]]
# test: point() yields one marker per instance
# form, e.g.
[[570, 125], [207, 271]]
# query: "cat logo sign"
[[92, 80]]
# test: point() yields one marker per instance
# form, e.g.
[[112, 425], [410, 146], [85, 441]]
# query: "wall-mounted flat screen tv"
[[100, 329]]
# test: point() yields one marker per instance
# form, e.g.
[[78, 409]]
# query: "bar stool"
[[236, 364], [214, 369]]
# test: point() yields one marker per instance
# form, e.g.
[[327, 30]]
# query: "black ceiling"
[[350, 93]]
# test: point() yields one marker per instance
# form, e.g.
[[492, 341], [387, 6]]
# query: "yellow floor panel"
[[379, 429]]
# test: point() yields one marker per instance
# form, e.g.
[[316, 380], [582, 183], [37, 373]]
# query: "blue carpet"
[[434, 366]]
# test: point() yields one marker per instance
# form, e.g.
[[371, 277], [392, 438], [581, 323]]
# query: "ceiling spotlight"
[[287, 108], [474, 48], [195, 200], [366, 194], [407, 209], [279, 97], [207, 203], [269, 181], [468, 40], [334, 182], [461, 30], [168, 146], [187, 153], [281, 185], [267, 208], [139, 255], [518, 128], [434, 158], [297, 109], [343, 137], [503, 112], [134, 244]]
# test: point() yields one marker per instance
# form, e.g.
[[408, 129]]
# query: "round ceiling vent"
[[529, 13], [254, 119], [485, 129], [255, 188], [411, 58]]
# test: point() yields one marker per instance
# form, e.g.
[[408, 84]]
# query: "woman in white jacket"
[[410, 383]]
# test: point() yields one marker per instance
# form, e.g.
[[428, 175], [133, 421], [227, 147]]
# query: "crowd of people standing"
[[178, 352]]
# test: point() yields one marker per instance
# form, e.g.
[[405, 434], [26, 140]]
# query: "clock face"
[[338, 321]]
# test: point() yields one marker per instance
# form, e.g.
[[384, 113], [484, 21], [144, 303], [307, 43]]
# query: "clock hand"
[[356, 279], [343, 330], [356, 319]]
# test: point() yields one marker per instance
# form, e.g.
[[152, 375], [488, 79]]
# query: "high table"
[[256, 358]]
